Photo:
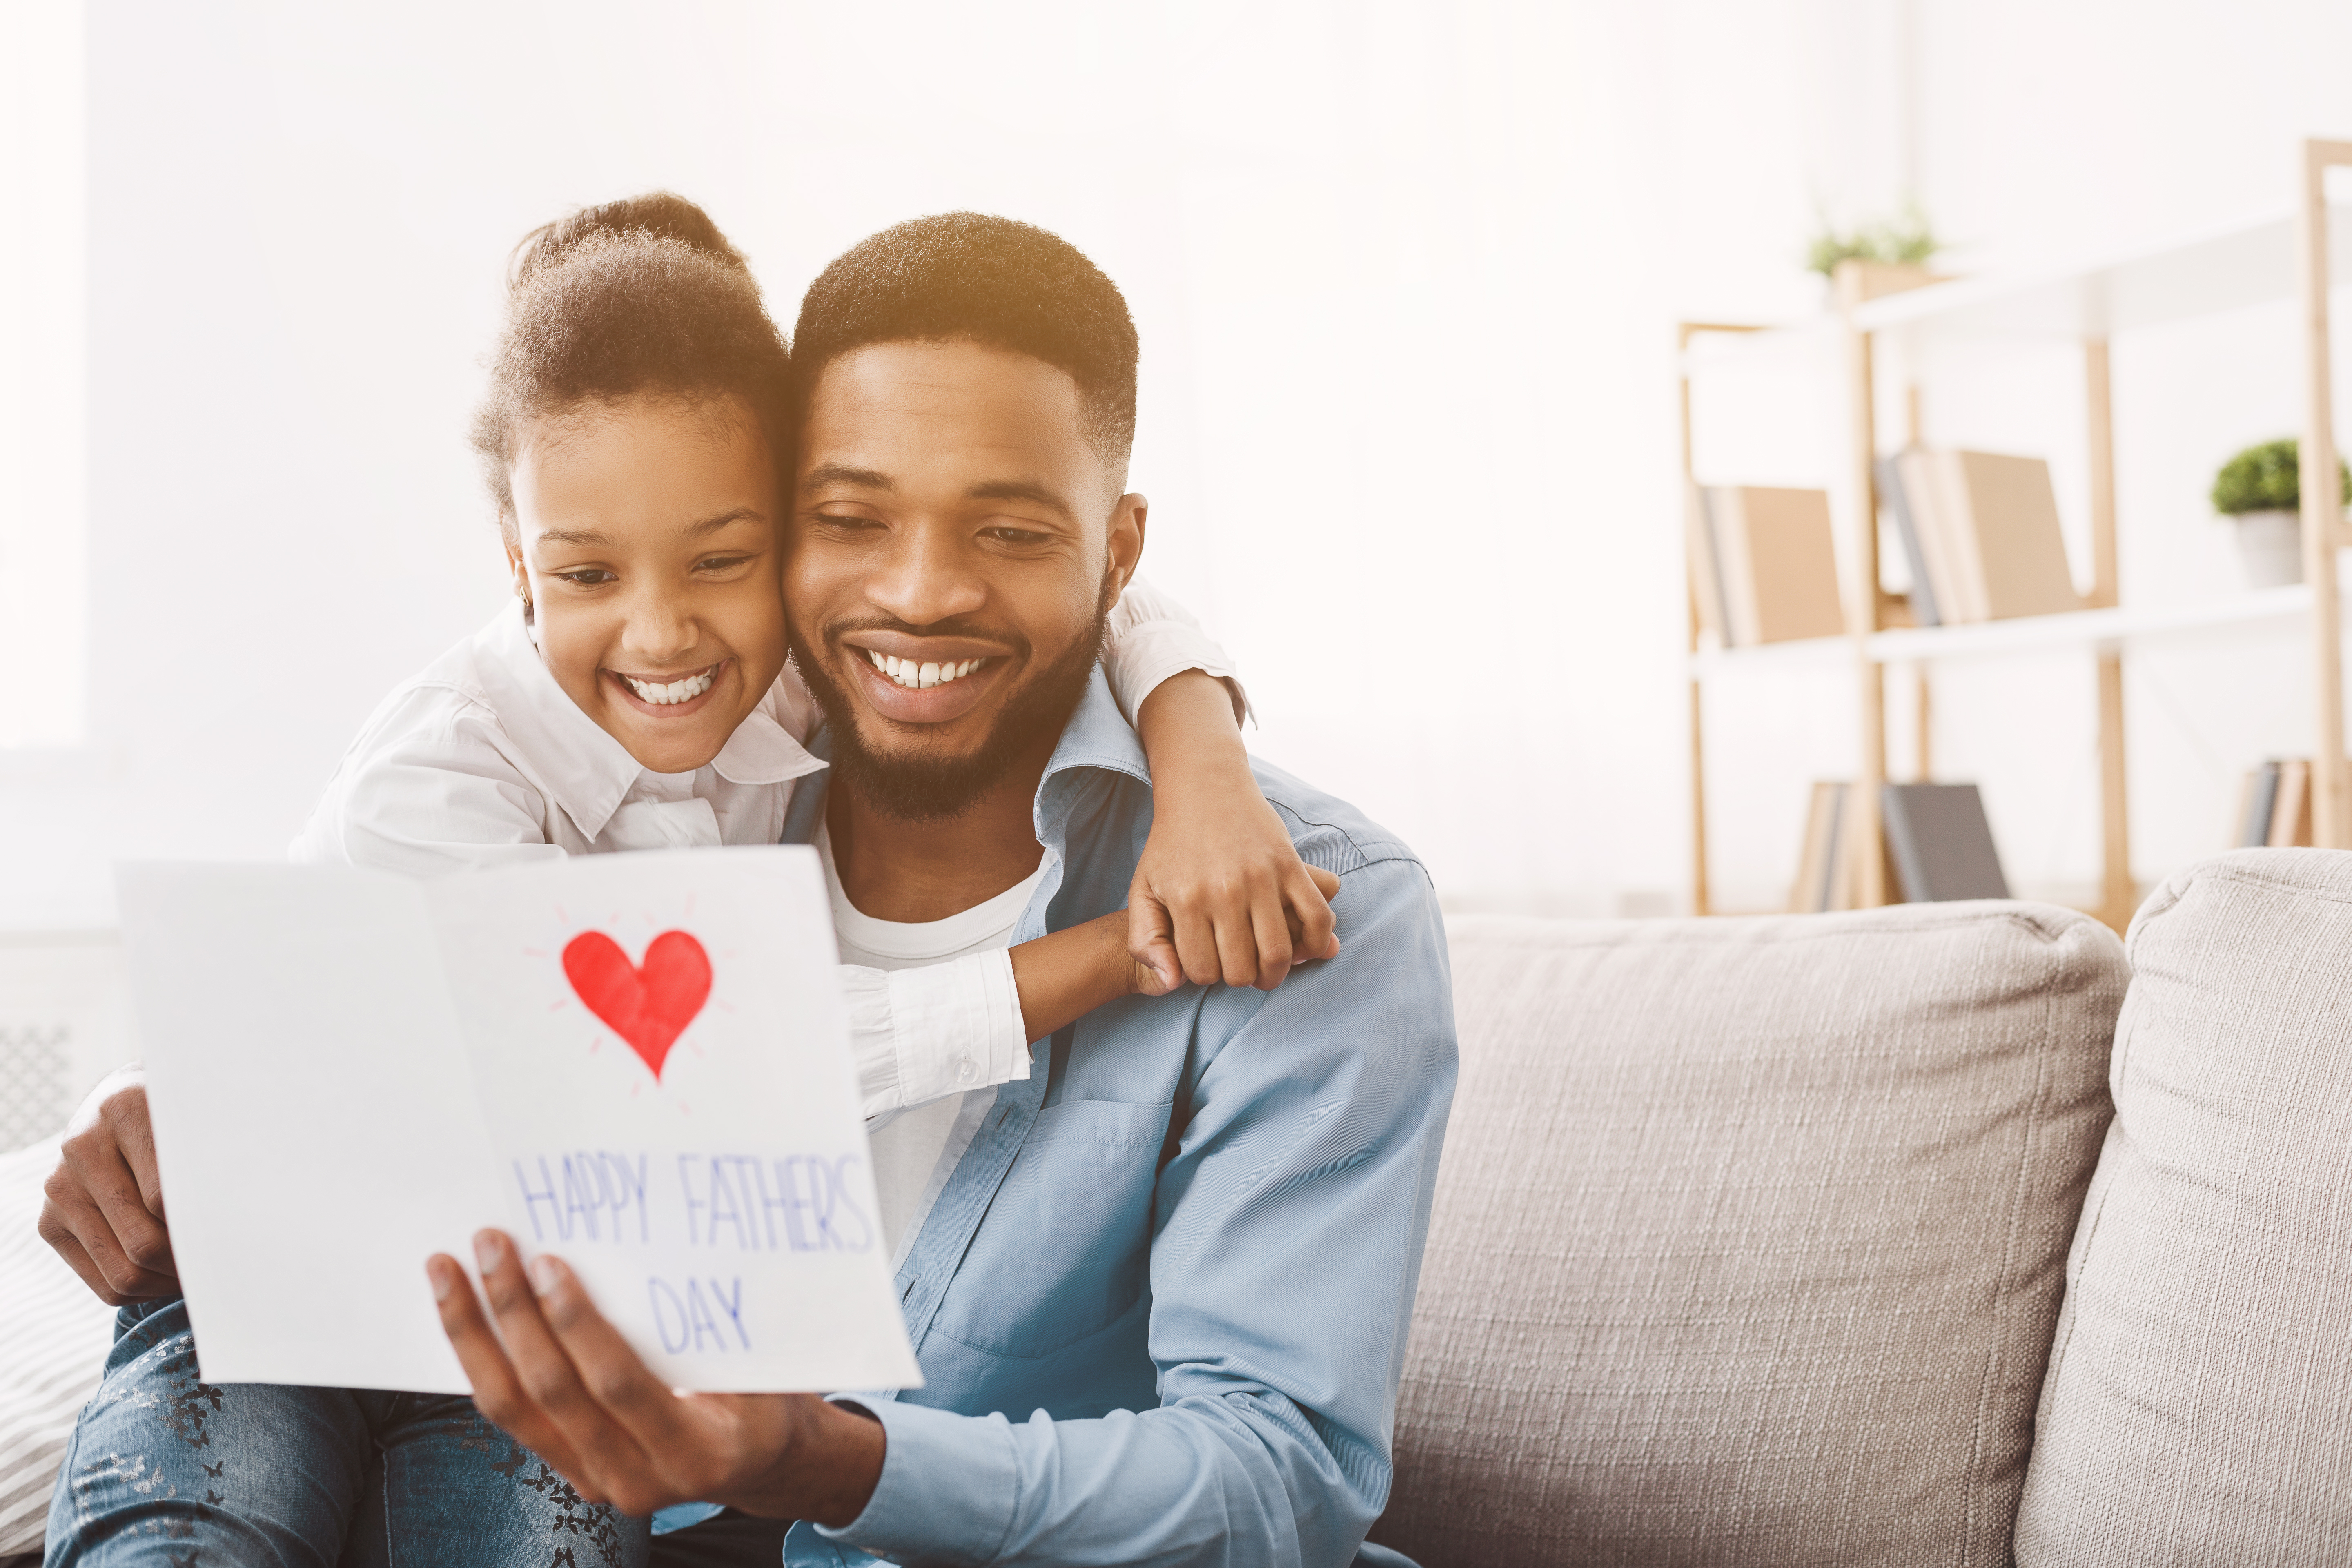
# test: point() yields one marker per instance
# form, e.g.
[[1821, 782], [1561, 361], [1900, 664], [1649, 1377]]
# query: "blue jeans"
[[169, 1471]]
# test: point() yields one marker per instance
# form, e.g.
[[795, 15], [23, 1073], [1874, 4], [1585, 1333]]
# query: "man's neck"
[[914, 872]]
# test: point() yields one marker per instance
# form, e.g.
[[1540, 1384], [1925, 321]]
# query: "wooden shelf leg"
[[1866, 840], [2323, 510], [2118, 894]]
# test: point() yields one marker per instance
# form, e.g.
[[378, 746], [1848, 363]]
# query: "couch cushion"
[[2198, 1404], [1750, 1235]]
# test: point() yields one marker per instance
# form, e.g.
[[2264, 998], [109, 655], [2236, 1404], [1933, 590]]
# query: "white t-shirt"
[[916, 1149]]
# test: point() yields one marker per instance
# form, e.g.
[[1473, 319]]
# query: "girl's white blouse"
[[482, 759]]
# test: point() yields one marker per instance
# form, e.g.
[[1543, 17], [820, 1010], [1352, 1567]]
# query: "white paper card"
[[637, 1062]]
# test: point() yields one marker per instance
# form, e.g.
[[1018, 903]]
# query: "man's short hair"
[[990, 281]]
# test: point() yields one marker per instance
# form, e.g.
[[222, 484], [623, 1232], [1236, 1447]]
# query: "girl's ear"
[[520, 575]]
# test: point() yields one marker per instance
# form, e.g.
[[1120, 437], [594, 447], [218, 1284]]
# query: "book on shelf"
[[1940, 842], [1763, 560], [1982, 531], [2274, 806], [1818, 860], [1908, 529]]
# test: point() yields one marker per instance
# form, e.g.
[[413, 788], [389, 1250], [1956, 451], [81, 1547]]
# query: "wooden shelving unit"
[[2300, 255]]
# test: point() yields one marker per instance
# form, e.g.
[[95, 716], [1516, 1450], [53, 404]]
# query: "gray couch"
[[1753, 1238], [1931, 1235]]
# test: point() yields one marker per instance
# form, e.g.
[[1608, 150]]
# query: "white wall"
[[1405, 275]]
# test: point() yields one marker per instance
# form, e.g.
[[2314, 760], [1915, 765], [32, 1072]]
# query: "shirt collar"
[[583, 768]]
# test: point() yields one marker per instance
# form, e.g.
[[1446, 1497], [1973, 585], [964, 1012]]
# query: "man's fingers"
[[114, 1188], [616, 1465], [134, 1136], [498, 1393], [77, 1258], [69, 1214], [614, 1376]]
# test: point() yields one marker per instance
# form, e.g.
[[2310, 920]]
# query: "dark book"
[[1907, 528], [2261, 796], [1941, 845]]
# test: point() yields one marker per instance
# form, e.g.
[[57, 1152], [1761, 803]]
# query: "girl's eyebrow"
[[589, 536]]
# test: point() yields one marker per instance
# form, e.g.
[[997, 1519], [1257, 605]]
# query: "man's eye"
[[846, 521], [1018, 536], [590, 577]]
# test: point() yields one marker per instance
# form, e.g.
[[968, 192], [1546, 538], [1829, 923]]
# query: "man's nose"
[[926, 578]]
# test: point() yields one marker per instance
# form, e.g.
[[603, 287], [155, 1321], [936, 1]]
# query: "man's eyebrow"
[[1020, 489], [825, 474]]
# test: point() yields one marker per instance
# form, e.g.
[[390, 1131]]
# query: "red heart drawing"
[[647, 1005]]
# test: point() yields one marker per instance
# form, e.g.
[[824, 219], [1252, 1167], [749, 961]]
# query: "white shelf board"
[[2027, 634], [2223, 268]]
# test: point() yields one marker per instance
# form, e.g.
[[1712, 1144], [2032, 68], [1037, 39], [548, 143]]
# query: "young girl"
[[653, 707]]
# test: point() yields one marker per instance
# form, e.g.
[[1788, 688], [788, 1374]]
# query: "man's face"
[[956, 543]]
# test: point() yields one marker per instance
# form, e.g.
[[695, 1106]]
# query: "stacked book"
[[1937, 846], [1763, 564], [2274, 806], [1980, 531]]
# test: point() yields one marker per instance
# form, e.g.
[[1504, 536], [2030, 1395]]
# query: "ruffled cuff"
[[920, 1033]]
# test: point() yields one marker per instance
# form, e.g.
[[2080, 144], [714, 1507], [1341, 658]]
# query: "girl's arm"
[[1220, 892]]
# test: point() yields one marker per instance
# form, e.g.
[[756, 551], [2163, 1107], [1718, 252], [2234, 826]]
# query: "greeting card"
[[637, 1062]]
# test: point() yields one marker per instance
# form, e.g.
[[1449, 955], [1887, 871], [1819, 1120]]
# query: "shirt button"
[[967, 1070]]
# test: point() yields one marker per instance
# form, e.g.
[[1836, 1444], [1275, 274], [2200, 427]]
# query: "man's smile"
[[923, 680]]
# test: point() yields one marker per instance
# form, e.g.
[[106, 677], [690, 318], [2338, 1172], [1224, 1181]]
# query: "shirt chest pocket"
[[1066, 1247]]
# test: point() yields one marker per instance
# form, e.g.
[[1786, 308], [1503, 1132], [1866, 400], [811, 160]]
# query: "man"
[[1161, 1289]]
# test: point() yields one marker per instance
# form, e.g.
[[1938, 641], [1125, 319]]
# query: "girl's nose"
[[660, 629]]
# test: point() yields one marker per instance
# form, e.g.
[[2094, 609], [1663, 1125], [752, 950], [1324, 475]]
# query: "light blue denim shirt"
[[1160, 1304]]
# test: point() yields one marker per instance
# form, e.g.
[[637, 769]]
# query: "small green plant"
[[1907, 237], [2264, 479]]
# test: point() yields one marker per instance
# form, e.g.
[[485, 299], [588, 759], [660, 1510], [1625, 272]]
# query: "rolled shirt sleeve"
[[940, 1030], [1287, 1244], [1153, 637]]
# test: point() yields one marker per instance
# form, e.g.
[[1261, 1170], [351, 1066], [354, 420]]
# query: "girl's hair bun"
[[661, 212]]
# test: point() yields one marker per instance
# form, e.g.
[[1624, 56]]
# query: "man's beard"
[[918, 789]]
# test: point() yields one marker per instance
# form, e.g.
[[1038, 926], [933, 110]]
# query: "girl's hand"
[[1221, 893]]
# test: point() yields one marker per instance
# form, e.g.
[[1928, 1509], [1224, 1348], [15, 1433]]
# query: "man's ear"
[[1126, 525]]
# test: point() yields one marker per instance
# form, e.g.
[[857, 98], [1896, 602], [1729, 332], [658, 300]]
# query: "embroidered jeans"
[[168, 1471]]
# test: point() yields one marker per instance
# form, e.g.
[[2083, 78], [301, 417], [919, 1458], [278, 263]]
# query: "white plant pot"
[[2270, 544]]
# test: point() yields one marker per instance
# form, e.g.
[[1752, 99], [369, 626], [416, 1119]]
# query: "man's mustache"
[[955, 627]]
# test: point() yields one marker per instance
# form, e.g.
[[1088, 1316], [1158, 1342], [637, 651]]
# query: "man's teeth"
[[685, 690], [916, 675]]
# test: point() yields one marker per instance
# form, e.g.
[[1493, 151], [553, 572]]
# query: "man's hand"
[[568, 1387], [103, 1205]]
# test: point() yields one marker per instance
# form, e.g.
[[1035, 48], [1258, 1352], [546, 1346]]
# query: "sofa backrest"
[[2198, 1404], [1750, 1235]]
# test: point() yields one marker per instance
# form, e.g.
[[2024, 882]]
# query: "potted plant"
[[2260, 489], [1892, 252]]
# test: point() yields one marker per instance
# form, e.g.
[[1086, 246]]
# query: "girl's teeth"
[[663, 693], [918, 676]]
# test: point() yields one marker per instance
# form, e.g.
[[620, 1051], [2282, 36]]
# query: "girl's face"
[[646, 539]]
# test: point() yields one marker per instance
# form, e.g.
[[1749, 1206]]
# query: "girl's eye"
[[590, 577], [721, 563]]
